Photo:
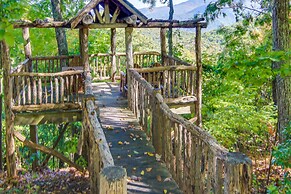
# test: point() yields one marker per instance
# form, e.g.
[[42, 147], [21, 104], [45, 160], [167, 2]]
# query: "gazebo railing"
[[101, 63], [53, 64], [31, 89], [172, 81]]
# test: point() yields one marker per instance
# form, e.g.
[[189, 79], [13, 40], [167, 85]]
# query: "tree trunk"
[[60, 32], [170, 34], [10, 145], [34, 139], [282, 83], [1, 162]]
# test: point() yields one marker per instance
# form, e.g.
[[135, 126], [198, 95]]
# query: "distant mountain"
[[187, 10]]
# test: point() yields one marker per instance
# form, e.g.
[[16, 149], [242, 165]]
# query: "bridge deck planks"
[[115, 114]]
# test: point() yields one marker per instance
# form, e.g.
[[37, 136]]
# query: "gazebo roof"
[[111, 14], [114, 10]]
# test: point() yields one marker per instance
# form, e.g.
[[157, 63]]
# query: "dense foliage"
[[238, 108]]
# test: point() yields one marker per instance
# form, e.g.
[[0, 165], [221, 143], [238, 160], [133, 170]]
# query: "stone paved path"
[[129, 145]]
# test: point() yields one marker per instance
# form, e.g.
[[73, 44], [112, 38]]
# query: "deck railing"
[[104, 176], [173, 81], [196, 161], [30, 90], [53, 64], [101, 63]]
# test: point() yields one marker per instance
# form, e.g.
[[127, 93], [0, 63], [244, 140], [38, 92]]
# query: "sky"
[[138, 3]]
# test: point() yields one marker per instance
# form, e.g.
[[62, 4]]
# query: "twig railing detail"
[[53, 64], [101, 63], [46, 88], [196, 161], [172, 81]]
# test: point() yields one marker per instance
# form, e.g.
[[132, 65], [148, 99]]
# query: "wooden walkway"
[[129, 145]]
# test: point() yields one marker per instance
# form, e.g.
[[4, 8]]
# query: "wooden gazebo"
[[57, 89]]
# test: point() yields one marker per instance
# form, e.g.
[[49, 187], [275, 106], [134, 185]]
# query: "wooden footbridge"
[[135, 139]]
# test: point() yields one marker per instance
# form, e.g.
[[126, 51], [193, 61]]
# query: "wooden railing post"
[[156, 122], [198, 104], [238, 175], [113, 179], [34, 139], [84, 57], [129, 59], [163, 45]]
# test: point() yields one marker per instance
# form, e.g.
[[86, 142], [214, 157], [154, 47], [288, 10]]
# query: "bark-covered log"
[[87, 19], [198, 103], [113, 179], [9, 118], [34, 139], [46, 150]]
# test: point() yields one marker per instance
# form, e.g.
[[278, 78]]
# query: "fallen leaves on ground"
[[159, 178], [66, 180], [149, 169]]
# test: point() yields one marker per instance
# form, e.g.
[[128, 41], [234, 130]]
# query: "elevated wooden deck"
[[129, 145]]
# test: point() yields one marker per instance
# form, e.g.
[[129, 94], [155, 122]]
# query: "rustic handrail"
[[197, 162], [170, 60], [103, 174], [165, 68], [101, 63], [21, 67], [64, 73], [53, 64], [46, 89]]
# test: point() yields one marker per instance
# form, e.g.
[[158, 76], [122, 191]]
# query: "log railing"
[[101, 63], [30, 89], [173, 61], [53, 64], [104, 176], [196, 161], [173, 81]]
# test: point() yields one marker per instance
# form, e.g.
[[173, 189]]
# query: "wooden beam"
[[34, 139], [198, 106], [115, 15], [98, 16], [165, 68], [55, 117], [28, 24], [106, 12], [113, 53], [163, 45], [64, 73], [173, 24], [46, 150], [9, 116], [149, 24], [110, 25], [45, 107], [75, 21]]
